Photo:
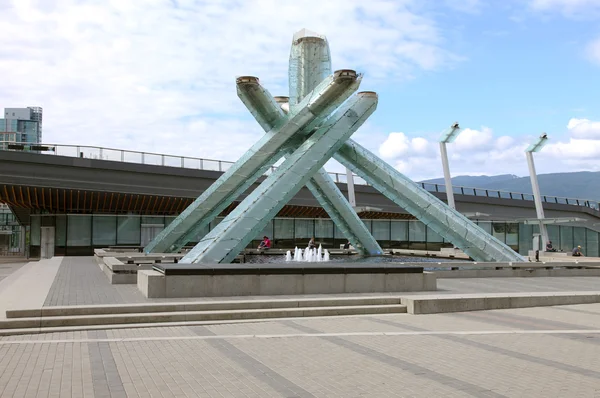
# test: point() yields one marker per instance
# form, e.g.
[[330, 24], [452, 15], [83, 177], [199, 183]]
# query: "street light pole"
[[448, 136], [536, 147], [350, 185]]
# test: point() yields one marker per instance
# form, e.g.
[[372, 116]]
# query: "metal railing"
[[160, 159]]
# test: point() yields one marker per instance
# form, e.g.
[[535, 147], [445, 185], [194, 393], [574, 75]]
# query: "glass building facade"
[[21, 125], [76, 234], [10, 232]]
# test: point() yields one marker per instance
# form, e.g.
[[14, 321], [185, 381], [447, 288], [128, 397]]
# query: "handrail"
[[160, 159]]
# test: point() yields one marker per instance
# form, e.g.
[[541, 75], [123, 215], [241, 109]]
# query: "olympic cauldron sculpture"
[[308, 128]]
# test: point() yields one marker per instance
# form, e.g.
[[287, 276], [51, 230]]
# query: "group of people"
[[576, 252]]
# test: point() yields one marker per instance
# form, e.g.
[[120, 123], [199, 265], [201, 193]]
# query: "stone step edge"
[[161, 317], [456, 303], [60, 329], [199, 306]]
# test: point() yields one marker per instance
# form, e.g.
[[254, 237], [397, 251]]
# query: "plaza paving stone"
[[529, 352]]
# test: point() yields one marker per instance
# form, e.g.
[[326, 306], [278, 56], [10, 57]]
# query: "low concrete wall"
[[516, 273], [434, 304], [122, 268], [154, 284]]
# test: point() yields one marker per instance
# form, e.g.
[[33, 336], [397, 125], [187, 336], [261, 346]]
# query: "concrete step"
[[194, 316], [202, 306]]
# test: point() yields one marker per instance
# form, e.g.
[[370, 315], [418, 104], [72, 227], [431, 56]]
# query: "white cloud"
[[479, 152], [584, 129], [398, 145], [154, 76], [592, 51], [470, 139]]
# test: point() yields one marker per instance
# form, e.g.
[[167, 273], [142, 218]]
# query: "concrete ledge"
[[153, 284], [434, 304], [212, 305], [517, 273]]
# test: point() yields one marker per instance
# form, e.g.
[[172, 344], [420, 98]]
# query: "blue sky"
[[158, 75], [519, 77]]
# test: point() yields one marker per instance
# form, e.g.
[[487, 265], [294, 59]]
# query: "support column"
[[350, 183], [447, 178], [537, 198]]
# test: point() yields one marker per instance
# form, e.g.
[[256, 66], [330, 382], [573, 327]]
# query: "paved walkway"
[[532, 352], [535, 352]]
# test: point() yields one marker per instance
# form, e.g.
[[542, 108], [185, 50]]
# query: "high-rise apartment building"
[[21, 125]]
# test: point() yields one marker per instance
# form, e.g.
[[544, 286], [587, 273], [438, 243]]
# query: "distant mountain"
[[479, 181], [582, 184]]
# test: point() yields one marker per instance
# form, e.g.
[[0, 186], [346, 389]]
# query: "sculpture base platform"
[[221, 280]]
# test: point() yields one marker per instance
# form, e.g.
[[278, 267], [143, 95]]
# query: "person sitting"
[[549, 247], [347, 245], [577, 252], [265, 244], [311, 243]]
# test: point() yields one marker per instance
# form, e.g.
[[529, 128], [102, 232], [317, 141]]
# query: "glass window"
[[486, 226], [417, 231], [499, 231], [61, 231], [400, 231], [381, 230], [304, 229], [284, 228], [128, 230], [104, 230], [591, 244], [553, 235], [512, 235], [35, 230], [323, 228], [153, 220], [566, 238], [526, 238], [79, 230], [580, 239], [433, 236]]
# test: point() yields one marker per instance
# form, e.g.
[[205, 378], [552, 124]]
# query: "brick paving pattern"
[[81, 282], [530, 352], [470, 355]]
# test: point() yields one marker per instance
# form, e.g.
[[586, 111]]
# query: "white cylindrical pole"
[[537, 198], [350, 183], [447, 178]]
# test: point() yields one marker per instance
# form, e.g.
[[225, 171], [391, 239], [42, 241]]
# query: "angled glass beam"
[[447, 222], [341, 212], [238, 178], [232, 234], [321, 185]]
